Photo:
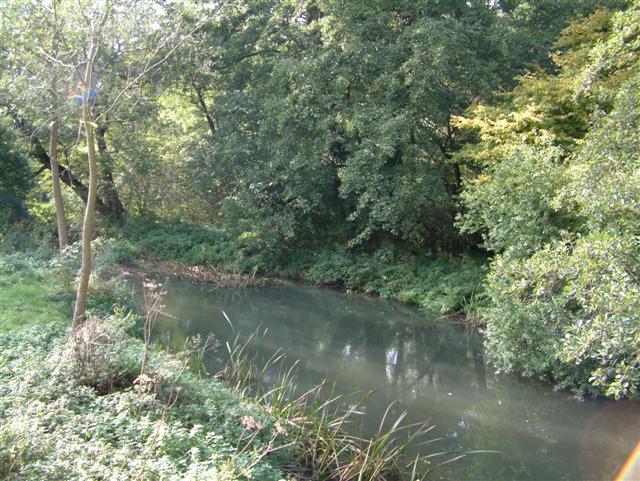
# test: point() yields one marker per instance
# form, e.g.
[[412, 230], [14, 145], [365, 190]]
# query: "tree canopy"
[[557, 200], [456, 129]]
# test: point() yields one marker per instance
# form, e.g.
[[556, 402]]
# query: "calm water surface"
[[436, 369]]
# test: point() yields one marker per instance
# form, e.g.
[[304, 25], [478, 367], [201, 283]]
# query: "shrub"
[[438, 284], [512, 205], [564, 288], [570, 313]]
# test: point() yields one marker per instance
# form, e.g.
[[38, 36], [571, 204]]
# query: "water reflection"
[[436, 369]]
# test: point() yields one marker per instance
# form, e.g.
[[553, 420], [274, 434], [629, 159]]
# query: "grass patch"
[[33, 291]]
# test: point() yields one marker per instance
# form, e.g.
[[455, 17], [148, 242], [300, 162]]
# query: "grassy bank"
[[88, 407], [83, 410], [442, 284], [30, 294]]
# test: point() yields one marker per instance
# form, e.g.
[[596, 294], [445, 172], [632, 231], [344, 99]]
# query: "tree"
[[336, 121], [37, 55], [109, 30], [94, 39], [61, 221], [556, 197]]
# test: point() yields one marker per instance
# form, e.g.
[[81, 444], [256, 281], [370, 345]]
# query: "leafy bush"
[[101, 355], [568, 310], [513, 203], [564, 289], [178, 241], [27, 235], [570, 313], [434, 283], [605, 179]]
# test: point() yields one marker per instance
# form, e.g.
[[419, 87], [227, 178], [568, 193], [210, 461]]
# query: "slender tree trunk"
[[79, 315], [203, 107], [63, 232]]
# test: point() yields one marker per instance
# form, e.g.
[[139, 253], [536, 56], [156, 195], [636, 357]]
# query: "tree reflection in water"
[[434, 368]]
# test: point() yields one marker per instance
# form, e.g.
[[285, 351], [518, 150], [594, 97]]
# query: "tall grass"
[[319, 427]]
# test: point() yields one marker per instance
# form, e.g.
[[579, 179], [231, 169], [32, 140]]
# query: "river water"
[[435, 368]]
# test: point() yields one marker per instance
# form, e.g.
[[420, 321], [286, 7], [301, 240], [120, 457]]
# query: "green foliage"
[[15, 180], [27, 235], [281, 121], [570, 313], [513, 202], [337, 122], [57, 427], [169, 162], [615, 60], [434, 283], [533, 27], [563, 291], [605, 177], [183, 242]]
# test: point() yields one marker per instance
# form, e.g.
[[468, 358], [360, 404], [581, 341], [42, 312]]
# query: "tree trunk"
[[79, 314], [39, 153], [63, 232], [63, 229], [203, 107]]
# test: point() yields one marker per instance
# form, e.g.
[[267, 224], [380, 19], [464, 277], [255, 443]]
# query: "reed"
[[318, 428]]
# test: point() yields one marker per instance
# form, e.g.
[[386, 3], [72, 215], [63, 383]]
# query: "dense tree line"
[[337, 121], [507, 129], [557, 201]]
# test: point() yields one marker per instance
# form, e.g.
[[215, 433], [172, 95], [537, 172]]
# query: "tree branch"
[[39, 153]]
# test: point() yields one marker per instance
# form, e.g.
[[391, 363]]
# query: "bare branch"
[[149, 67]]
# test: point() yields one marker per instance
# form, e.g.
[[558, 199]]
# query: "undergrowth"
[[62, 423], [100, 403], [437, 283]]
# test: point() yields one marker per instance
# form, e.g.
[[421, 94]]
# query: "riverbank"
[[439, 284], [535, 337], [149, 266], [89, 407], [84, 410]]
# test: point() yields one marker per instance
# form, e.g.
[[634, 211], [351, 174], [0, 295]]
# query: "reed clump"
[[318, 428]]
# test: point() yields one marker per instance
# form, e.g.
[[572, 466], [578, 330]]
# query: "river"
[[435, 368]]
